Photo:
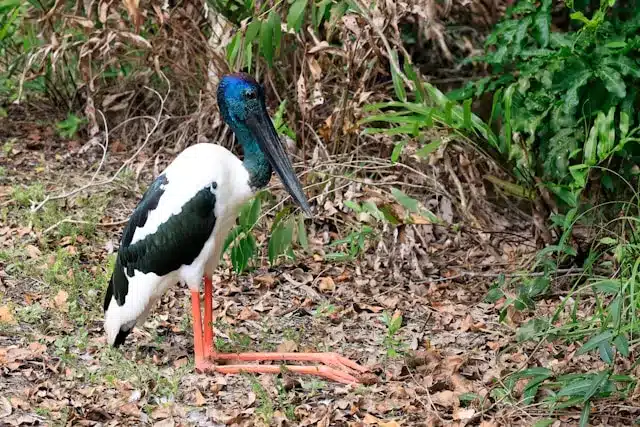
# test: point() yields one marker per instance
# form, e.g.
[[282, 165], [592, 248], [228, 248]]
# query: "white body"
[[195, 168]]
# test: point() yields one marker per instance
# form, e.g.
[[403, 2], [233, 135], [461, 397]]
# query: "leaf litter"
[[438, 368]]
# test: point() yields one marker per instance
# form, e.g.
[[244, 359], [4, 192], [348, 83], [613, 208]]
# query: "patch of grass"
[[160, 385], [25, 195], [33, 314], [7, 147], [265, 403], [394, 346]]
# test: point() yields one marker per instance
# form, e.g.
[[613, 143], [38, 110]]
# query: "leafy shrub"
[[568, 100]]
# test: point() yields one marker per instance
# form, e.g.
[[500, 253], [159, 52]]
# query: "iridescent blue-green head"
[[242, 105]]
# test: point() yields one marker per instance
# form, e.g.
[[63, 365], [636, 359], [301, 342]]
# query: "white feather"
[[196, 167]]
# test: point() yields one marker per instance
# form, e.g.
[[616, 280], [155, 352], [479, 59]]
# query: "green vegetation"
[[559, 142]]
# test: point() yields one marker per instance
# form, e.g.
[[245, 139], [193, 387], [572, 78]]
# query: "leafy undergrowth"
[[411, 307]]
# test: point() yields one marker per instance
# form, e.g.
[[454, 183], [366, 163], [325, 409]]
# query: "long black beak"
[[269, 141]]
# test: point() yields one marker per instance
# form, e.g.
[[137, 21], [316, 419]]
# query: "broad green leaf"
[[407, 202], [546, 422], [429, 148], [281, 239], [624, 124], [571, 98], [606, 352], [575, 388], [277, 31], [543, 23], [625, 65], [353, 206], [253, 29], [596, 382], [596, 341], [266, 38], [302, 233], [250, 213], [466, 122], [233, 235], [613, 81], [389, 215], [296, 15], [607, 286], [397, 150], [242, 252], [590, 146], [622, 344]]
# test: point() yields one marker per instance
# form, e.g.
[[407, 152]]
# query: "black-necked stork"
[[176, 233]]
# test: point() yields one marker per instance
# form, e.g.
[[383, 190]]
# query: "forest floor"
[[442, 362]]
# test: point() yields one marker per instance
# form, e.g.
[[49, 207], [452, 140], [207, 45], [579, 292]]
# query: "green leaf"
[[266, 38], [585, 415], [398, 84], [608, 286], [613, 81], [302, 233], [389, 215], [590, 146], [624, 124], [429, 148], [622, 344], [466, 122], [596, 341], [606, 352], [543, 23], [242, 252], [546, 422], [625, 65], [296, 15], [397, 150], [571, 98], [250, 213], [281, 239], [596, 382], [407, 202], [253, 29]]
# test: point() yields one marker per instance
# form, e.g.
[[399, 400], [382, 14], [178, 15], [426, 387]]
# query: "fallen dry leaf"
[[326, 284], [33, 251], [5, 407], [248, 314], [60, 300], [6, 316], [445, 398], [287, 346], [199, 398]]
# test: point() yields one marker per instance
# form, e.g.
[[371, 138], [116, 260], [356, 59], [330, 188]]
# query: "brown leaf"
[[463, 414], [370, 420], [326, 284], [287, 346], [6, 316], [5, 407], [266, 279], [467, 323], [199, 398], [248, 314], [445, 398], [165, 423], [389, 424], [33, 251], [60, 299]]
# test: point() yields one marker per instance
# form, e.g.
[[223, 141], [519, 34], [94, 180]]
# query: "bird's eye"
[[250, 94]]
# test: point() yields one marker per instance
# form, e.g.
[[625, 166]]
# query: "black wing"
[[176, 242]]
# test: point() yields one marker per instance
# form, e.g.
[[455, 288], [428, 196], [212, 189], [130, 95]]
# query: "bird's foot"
[[320, 371], [338, 368]]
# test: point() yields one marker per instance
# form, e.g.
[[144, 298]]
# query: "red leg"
[[198, 348], [208, 317], [340, 368]]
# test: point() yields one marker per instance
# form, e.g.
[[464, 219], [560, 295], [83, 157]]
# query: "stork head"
[[242, 105]]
